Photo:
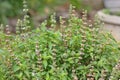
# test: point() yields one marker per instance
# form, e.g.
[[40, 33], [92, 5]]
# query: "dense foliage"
[[78, 50]]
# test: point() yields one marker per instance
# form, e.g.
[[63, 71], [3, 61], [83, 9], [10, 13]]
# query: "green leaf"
[[16, 68], [19, 75], [27, 73], [70, 60], [1, 51], [45, 63], [47, 77]]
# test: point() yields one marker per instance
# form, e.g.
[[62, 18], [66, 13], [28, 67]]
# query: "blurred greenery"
[[107, 11], [12, 8], [9, 8]]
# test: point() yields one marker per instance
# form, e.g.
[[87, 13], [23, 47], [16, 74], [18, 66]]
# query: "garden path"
[[114, 29]]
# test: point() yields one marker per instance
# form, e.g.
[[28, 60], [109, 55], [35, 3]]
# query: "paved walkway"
[[114, 29]]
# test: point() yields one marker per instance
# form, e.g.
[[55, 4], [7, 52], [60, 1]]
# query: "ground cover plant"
[[78, 50]]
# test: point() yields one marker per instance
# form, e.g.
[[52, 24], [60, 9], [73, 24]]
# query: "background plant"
[[41, 7]]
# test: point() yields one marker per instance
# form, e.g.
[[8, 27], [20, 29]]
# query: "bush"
[[76, 51]]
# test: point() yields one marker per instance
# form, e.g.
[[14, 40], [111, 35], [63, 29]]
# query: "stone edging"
[[111, 19]]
